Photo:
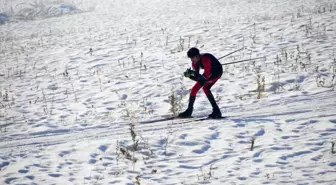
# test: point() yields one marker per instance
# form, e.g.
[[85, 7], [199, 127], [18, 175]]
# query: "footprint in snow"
[[281, 148], [310, 122], [63, 153], [3, 164], [183, 136], [23, 171], [189, 167], [93, 156], [332, 164], [242, 178], [103, 148], [10, 180], [287, 137], [202, 150], [92, 161], [328, 132], [296, 154], [261, 132], [123, 97], [257, 154], [184, 143], [56, 175], [316, 158], [213, 136], [31, 177]]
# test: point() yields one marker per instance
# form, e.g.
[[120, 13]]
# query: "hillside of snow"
[[76, 89]]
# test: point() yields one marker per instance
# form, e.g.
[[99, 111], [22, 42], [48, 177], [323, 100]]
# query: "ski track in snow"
[[64, 119]]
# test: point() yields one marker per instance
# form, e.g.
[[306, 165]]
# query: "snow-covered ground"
[[73, 87]]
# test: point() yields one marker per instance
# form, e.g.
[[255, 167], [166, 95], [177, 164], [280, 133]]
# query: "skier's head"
[[194, 54]]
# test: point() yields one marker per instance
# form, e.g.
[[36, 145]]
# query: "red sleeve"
[[207, 67]]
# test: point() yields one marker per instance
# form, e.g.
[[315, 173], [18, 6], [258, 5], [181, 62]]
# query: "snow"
[[66, 113]]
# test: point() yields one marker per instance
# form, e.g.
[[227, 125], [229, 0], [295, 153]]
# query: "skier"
[[213, 70]]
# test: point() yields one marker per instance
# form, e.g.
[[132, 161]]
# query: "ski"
[[205, 118], [188, 119], [164, 119]]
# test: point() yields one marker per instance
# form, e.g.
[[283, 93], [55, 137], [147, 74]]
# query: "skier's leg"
[[216, 113], [207, 86], [195, 89], [192, 98]]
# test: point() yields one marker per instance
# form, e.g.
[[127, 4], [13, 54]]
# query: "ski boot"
[[187, 113], [216, 113]]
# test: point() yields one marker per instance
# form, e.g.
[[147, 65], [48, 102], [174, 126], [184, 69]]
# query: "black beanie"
[[193, 52]]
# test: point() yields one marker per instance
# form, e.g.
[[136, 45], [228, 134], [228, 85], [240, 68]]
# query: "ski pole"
[[231, 53], [245, 60]]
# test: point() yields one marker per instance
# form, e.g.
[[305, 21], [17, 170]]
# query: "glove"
[[191, 74], [188, 73], [195, 76]]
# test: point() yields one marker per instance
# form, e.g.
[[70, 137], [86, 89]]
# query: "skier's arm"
[[207, 68]]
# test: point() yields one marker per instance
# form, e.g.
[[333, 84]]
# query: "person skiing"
[[213, 71]]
